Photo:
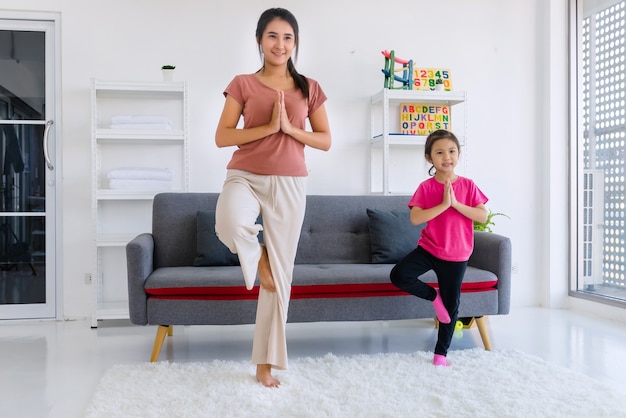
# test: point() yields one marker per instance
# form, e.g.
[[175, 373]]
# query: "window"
[[601, 146]]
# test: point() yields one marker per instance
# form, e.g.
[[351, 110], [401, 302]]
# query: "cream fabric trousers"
[[281, 202]]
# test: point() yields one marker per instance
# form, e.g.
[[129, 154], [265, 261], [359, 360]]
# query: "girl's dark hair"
[[283, 14], [434, 137]]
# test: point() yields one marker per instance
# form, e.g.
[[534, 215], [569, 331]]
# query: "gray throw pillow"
[[391, 234], [210, 250]]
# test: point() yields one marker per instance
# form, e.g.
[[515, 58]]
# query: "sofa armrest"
[[139, 263], [492, 252]]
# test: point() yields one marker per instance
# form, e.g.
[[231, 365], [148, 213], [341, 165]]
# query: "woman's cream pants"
[[281, 202]]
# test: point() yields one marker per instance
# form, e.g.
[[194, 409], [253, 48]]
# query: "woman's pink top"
[[277, 154]]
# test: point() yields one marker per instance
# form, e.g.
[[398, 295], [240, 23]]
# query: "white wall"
[[500, 52]]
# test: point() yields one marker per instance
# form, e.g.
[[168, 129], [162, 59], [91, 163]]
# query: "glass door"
[[27, 170], [600, 151]]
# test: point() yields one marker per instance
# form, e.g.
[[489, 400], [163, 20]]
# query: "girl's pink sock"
[[440, 310], [440, 360]]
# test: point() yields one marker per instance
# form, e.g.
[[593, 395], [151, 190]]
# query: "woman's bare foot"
[[264, 375], [265, 272]]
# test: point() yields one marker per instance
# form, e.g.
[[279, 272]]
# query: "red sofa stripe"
[[298, 292]]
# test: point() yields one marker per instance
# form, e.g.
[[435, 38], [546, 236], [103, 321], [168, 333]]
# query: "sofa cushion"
[[310, 281], [392, 235], [210, 250]]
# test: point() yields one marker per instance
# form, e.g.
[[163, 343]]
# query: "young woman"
[[266, 176], [449, 204]]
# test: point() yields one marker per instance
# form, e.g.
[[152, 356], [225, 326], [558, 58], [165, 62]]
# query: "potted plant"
[[439, 84], [486, 226], [168, 72]]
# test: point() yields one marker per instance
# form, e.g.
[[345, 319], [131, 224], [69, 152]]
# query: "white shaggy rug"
[[479, 383]]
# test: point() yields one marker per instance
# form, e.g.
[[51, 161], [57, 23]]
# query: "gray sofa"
[[180, 274]]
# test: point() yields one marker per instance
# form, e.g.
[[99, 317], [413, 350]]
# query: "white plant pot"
[[438, 87], [168, 75]]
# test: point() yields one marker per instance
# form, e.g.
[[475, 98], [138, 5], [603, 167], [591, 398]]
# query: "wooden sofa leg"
[[162, 332], [481, 322]]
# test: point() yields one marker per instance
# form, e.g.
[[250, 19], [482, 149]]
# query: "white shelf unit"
[[407, 151], [119, 215]]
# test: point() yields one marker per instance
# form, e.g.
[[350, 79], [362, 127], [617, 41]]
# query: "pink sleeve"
[[317, 97], [234, 89], [417, 199], [477, 196]]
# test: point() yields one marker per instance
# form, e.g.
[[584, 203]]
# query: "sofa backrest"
[[174, 226], [335, 228]]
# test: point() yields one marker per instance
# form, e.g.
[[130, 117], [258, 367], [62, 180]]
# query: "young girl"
[[449, 204], [266, 176]]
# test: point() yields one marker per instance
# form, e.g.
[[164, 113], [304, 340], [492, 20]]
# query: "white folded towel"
[[140, 184], [143, 126], [142, 173], [158, 119]]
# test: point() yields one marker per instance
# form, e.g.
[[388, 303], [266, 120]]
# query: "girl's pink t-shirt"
[[449, 236], [277, 154]]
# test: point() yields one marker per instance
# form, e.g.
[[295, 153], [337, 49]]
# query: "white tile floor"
[[51, 369]]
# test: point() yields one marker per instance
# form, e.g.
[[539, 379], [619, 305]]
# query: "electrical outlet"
[[514, 268], [87, 278]]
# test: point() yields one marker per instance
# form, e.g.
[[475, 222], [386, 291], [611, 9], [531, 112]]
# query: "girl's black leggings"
[[405, 275]]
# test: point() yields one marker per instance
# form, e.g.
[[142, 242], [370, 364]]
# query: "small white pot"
[[438, 87], [168, 75]]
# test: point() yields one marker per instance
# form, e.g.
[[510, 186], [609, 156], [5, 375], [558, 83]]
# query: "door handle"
[[45, 145]]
